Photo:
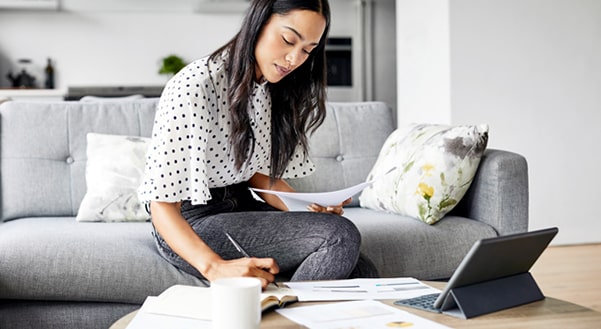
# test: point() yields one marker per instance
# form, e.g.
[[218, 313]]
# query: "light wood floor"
[[571, 273]]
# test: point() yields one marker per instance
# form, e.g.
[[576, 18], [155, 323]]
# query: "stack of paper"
[[182, 307]]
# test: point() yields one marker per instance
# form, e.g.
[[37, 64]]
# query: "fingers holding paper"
[[336, 209]]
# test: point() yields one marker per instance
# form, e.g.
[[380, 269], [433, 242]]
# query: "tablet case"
[[491, 296]]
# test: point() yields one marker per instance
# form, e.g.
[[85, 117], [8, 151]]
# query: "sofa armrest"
[[498, 195]]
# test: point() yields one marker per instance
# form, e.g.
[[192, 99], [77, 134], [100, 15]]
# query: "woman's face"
[[285, 43]]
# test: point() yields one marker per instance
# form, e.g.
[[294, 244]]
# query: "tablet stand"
[[491, 296]]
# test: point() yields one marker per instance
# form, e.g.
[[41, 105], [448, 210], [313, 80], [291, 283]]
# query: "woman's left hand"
[[330, 209]]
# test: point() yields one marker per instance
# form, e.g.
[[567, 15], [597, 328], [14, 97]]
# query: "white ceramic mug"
[[236, 303]]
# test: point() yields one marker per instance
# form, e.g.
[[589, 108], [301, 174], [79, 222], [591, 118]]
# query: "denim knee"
[[339, 228]]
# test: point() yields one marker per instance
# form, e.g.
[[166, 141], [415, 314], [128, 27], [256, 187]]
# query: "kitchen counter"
[[32, 94], [77, 92]]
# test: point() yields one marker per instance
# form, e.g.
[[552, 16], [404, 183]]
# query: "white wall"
[[108, 48], [121, 42], [423, 84], [532, 70]]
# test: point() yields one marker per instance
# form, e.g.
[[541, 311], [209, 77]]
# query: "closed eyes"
[[308, 52]]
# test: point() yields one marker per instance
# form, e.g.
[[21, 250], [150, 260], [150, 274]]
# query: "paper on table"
[[359, 289], [184, 301], [298, 201], [195, 302], [144, 319], [357, 314]]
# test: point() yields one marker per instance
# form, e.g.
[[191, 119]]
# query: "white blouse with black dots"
[[190, 150]]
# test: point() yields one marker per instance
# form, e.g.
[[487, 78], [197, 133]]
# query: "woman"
[[238, 119]]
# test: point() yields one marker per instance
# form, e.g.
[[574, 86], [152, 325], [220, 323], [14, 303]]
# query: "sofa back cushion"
[[346, 146], [43, 150]]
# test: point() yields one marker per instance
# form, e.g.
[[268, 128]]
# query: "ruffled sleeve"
[[176, 167]]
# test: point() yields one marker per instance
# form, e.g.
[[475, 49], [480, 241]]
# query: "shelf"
[[198, 6], [32, 94], [29, 4]]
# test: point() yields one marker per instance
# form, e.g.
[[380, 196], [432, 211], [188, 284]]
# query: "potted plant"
[[171, 65]]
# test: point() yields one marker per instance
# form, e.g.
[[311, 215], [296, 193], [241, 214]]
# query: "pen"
[[242, 251], [237, 245]]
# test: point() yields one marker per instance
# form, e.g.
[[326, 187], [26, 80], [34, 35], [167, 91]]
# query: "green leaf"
[[408, 166], [423, 211], [447, 203]]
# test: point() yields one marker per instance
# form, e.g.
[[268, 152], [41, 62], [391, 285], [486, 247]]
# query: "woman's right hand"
[[264, 269], [175, 230]]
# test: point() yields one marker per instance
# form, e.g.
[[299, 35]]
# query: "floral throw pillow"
[[114, 171], [435, 165]]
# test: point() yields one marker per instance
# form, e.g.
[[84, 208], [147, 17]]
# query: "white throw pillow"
[[435, 166], [114, 171]]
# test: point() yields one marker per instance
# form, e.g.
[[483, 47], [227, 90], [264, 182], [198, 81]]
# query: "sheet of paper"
[[297, 201], [367, 314], [278, 292], [184, 301], [195, 302], [360, 289], [146, 320]]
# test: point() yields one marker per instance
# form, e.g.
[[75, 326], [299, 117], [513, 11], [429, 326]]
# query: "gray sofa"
[[59, 273]]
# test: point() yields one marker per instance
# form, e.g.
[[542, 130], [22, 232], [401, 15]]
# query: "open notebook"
[[195, 302]]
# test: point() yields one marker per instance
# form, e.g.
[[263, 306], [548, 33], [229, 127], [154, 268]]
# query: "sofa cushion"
[[346, 146], [118, 262], [114, 171], [58, 258], [43, 150], [435, 165], [402, 246], [61, 315]]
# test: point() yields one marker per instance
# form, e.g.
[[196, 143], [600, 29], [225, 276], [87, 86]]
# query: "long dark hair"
[[298, 100]]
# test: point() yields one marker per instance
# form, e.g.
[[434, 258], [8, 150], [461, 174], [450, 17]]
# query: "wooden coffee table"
[[547, 313]]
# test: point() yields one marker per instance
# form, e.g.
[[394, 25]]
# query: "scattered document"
[[183, 301], [367, 314], [195, 302], [147, 319], [189, 307], [184, 306], [297, 201], [360, 289]]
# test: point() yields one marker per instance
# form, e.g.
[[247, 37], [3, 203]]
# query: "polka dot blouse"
[[190, 150]]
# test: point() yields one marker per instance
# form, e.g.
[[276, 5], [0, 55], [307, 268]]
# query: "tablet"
[[498, 257]]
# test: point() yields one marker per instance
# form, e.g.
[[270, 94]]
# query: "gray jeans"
[[305, 245]]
